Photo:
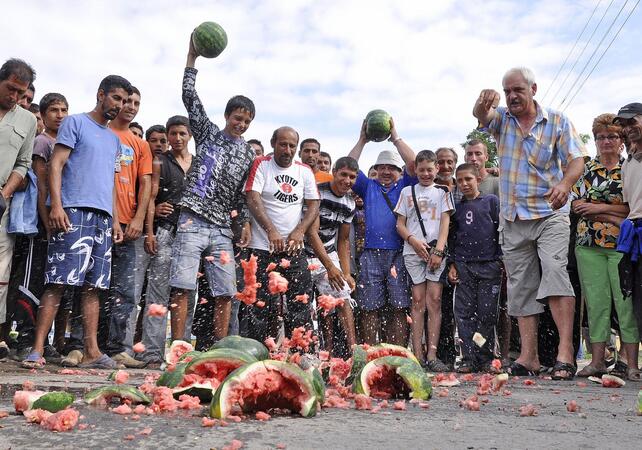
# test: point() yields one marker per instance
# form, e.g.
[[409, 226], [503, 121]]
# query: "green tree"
[[491, 145]]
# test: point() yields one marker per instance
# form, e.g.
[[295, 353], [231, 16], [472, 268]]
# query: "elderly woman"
[[597, 198]]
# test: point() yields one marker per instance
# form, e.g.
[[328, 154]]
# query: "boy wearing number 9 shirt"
[[474, 266]]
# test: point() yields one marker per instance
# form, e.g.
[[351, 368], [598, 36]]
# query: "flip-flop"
[[590, 371], [563, 367], [518, 370], [104, 362], [34, 360]]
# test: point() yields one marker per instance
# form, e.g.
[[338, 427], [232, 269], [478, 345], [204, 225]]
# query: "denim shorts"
[[83, 254], [197, 238], [377, 284]]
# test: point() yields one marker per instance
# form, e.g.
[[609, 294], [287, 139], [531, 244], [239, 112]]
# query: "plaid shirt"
[[530, 165]]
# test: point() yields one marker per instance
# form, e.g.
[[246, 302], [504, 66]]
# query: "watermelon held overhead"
[[209, 39], [378, 125]]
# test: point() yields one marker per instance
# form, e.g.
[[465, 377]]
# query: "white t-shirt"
[[433, 201], [283, 191]]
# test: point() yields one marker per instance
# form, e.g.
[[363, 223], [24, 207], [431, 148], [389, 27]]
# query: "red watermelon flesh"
[[379, 352], [211, 371], [268, 390], [385, 383]]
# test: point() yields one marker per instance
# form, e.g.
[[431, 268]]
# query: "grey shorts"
[[196, 239], [535, 258], [320, 278], [418, 269]]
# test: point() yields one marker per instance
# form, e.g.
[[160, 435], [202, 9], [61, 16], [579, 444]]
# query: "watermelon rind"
[[54, 401], [410, 372], [359, 359], [209, 39], [220, 354], [378, 125], [248, 345], [221, 407], [204, 391], [121, 391], [405, 353], [169, 357], [172, 378]]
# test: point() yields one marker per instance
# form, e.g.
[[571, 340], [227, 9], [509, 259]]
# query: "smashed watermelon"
[[107, 394], [176, 350], [393, 377], [23, 400], [263, 386], [251, 346]]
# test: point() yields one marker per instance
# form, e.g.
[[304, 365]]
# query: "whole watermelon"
[[209, 39], [378, 125]]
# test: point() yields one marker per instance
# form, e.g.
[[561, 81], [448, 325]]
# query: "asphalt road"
[[607, 420]]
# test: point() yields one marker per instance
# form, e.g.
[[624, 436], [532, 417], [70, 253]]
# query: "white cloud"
[[321, 66]]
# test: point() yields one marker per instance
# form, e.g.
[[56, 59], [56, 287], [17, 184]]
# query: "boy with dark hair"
[[309, 151], [257, 146], [136, 128], [156, 137], [328, 246], [82, 210], [475, 267], [324, 162], [168, 180], [133, 187], [214, 187], [30, 253]]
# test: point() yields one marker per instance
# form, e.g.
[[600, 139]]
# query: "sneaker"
[[129, 362], [436, 365], [4, 350], [72, 359], [51, 354]]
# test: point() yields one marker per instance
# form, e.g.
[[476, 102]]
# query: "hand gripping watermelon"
[[251, 346], [104, 395], [209, 39], [265, 385], [393, 377], [378, 125]]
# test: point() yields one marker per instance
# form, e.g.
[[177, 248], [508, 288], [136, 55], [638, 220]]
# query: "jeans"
[[155, 328], [141, 269], [122, 295]]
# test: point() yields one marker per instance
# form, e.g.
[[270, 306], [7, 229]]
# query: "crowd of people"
[[107, 229]]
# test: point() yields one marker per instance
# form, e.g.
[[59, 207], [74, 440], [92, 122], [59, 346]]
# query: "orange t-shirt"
[[135, 161], [323, 177]]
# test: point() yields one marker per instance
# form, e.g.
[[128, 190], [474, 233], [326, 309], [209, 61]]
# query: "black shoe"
[[52, 355]]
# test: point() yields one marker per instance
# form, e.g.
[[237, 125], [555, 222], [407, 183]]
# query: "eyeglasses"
[[610, 137]]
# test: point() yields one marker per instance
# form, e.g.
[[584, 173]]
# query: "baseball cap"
[[628, 111], [391, 158]]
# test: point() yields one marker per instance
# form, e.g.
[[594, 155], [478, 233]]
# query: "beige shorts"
[[418, 270], [535, 258]]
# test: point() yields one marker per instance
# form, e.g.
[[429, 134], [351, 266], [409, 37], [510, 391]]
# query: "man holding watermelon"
[[213, 189], [383, 276]]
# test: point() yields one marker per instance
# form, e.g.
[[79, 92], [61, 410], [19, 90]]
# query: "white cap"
[[391, 158]]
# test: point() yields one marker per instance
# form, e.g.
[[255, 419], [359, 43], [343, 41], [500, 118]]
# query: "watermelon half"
[[378, 125], [265, 385], [209, 39], [251, 346], [393, 377], [176, 350], [105, 395]]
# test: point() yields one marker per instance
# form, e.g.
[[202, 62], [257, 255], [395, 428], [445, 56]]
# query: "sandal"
[[518, 370], [34, 360], [563, 367], [620, 370], [590, 371], [436, 366]]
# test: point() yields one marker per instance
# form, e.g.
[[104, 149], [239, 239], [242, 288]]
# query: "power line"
[[597, 47], [582, 52], [570, 52], [602, 55]]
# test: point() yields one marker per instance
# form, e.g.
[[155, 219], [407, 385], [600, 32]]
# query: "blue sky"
[[321, 66]]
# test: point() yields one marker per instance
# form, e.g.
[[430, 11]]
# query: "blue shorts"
[[377, 285], [197, 238], [82, 255]]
